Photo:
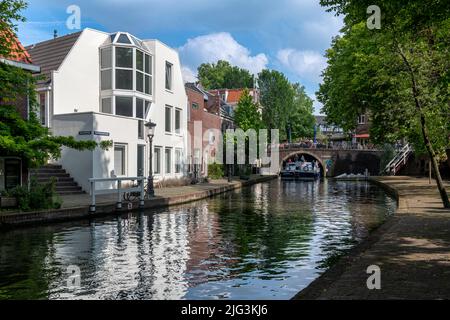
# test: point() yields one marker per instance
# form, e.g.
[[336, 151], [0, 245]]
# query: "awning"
[[362, 136]]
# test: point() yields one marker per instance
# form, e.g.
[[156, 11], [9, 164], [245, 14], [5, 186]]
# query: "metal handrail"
[[139, 188], [400, 158]]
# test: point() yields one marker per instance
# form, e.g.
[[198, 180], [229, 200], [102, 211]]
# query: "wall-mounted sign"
[[100, 133], [85, 133]]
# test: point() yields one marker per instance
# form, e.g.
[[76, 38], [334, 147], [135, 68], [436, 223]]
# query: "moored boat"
[[301, 170]]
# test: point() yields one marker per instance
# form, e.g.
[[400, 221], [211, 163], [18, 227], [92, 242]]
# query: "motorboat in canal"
[[301, 170]]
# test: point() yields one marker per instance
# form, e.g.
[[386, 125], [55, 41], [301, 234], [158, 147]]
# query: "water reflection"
[[264, 242]]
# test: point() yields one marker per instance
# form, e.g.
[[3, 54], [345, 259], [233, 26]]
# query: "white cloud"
[[307, 65], [220, 46], [188, 74]]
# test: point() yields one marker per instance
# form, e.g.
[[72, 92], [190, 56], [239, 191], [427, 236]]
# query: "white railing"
[[119, 190], [400, 159]]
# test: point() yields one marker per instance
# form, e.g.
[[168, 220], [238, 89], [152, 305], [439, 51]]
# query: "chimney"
[[55, 34]]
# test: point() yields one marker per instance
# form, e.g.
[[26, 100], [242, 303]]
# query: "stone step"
[[65, 184], [62, 193], [47, 171], [58, 179], [68, 188], [49, 175]]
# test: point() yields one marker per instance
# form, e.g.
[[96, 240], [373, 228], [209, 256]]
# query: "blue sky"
[[287, 35]]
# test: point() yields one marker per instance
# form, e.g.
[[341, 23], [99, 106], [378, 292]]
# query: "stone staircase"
[[64, 182]]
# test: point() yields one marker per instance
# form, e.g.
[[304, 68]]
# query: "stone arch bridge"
[[336, 161]]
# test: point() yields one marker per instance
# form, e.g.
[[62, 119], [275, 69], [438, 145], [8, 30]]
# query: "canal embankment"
[[412, 250], [77, 206]]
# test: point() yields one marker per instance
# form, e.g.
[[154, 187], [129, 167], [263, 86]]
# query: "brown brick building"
[[209, 115]]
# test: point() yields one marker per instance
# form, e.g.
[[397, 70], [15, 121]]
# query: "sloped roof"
[[192, 86], [18, 52], [50, 54]]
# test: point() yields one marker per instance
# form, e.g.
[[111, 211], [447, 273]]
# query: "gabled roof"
[[17, 56], [50, 54]]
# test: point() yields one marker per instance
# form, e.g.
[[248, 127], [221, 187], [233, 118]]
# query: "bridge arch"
[[299, 153]]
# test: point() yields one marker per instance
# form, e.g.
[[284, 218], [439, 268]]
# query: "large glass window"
[[106, 58], [124, 106], [139, 108], [106, 105], [124, 57], [106, 79], [157, 161], [106, 68], [168, 158], [124, 79], [119, 160], [168, 119], [177, 121], [168, 76], [126, 68], [139, 60]]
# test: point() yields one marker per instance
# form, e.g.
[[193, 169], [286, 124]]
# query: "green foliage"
[[246, 115], [367, 72], [222, 75], [387, 156], [37, 197], [399, 74], [285, 105], [215, 171], [9, 14]]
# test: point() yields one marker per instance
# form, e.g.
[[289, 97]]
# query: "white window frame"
[[157, 173], [166, 172], [362, 119], [170, 79], [123, 146], [171, 119], [178, 132]]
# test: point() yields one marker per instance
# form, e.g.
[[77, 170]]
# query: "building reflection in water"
[[264, 242]]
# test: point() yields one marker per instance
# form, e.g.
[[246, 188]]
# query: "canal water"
[[267, 241]]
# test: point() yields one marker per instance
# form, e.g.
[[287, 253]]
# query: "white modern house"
[[102, 86]]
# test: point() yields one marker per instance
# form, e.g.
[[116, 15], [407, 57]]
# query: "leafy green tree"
[[223, 75], [247, 115], [302, 119], [285, 106], [9, 16], [25, 138], [400, 74], [277, 99]]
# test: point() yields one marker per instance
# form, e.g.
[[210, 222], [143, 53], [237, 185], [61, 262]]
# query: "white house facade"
[[106, 87]]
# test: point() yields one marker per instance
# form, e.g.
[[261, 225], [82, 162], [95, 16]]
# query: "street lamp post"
[[151, 133]]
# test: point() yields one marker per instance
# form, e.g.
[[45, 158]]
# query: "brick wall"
[[208, 120]]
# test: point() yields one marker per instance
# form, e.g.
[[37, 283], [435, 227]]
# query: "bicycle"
[[135, 195]]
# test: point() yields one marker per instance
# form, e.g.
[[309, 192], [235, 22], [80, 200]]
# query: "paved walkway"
[[412, 249], [84, 200]]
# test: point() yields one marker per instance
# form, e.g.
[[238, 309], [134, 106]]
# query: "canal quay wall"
[[77, 206], [411, 249]]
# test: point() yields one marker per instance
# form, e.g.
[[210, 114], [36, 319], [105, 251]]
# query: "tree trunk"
[[428, 145]]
